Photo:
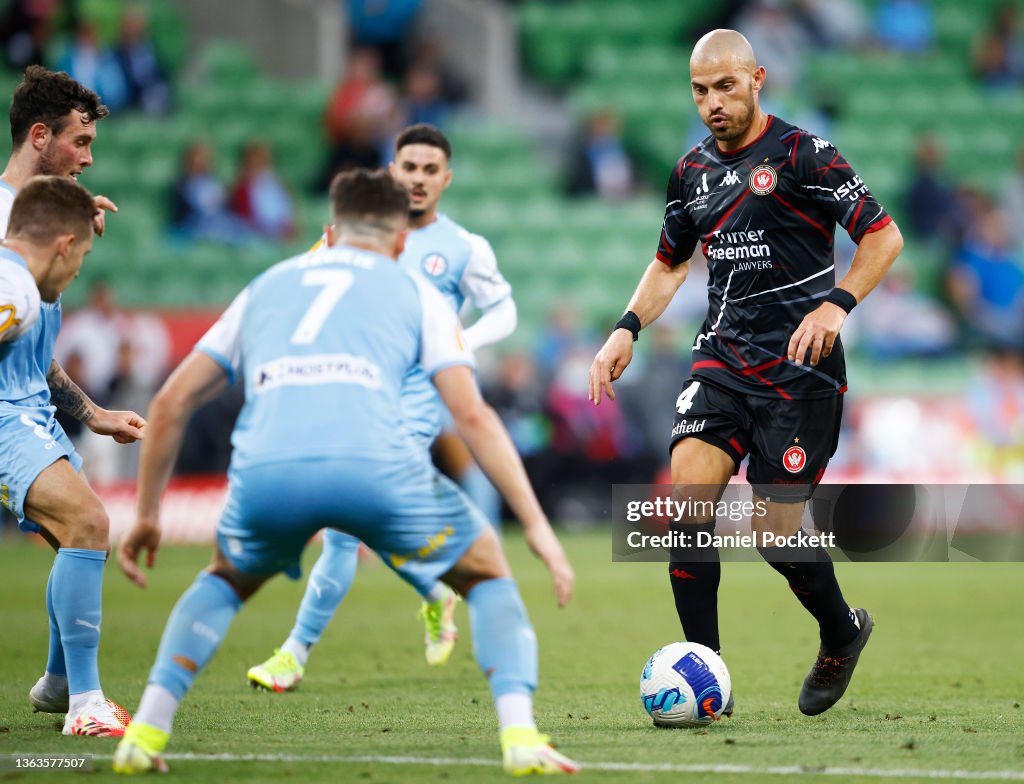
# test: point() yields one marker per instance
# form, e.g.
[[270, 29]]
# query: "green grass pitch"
[[939, 688]]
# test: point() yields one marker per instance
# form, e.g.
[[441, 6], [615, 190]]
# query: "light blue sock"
[[503, 639], [194, 632], [329, 581], [77, 598], [55, 657], [480, 490]]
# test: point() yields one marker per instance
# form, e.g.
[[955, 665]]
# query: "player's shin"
[[192, 636], [329, 581], [695, 572], [506, 648], [55, 657], [812, 579], [77, 597]]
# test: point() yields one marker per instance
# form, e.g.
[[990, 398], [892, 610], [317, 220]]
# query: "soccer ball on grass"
[[685, 685]]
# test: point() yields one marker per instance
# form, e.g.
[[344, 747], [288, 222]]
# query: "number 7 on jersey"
[[335, 283]]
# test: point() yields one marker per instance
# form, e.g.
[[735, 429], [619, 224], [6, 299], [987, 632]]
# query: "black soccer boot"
[[729, 706], [826, 683]]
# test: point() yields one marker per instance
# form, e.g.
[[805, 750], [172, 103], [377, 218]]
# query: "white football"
[[685, 685]]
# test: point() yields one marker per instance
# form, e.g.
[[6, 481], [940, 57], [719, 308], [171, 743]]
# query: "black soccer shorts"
[[789, 441]]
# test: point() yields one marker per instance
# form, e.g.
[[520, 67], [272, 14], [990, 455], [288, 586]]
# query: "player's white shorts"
[[31, 439]]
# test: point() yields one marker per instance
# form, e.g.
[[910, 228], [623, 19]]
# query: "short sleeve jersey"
[[461, 265], [765, 217], [28, 326], [324, 342]]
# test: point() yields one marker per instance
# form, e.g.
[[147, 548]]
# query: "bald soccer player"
[[762, 198]]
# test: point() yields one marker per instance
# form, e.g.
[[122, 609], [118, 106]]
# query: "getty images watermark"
[[857, 522], [676, 513]]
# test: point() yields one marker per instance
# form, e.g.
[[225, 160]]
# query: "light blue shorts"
[[419, 522], [30, 441]]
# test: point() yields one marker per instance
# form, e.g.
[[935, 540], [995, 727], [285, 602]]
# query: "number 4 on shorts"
[[685, 399]]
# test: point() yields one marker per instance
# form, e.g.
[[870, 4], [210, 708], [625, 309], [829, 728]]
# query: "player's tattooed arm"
[[67, 396]]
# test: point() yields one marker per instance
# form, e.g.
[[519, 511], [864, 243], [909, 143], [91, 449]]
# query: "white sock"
[[297, 649], [157, 708], [78, 701], [436, 594], [514, 710]]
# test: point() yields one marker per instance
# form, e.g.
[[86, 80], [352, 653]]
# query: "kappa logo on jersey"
[[763, 180], [794, 459], [434, 265], [730, 178], [821, 144]]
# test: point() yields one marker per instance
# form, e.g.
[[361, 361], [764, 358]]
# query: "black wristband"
[[630, 321], [842, 298]]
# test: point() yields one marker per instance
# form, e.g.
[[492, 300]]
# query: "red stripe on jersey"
[[737, 446], [842, 389], [856, 212], [725, 217], [766, 365], [875, 227], [795, 211], [700, 166], [796, 142], [709, 363], [662, 258]]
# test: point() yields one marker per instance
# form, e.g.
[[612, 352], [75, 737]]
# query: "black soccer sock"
[[814, 584], [695, 578]]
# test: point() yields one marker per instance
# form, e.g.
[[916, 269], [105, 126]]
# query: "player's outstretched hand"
[[611, 360], [545, 545], [99, 219], [817, 333], [125, 427], [144, 536]]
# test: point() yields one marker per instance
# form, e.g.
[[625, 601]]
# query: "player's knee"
[[91, 528]]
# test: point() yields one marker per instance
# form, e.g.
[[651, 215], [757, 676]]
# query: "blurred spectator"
[[904, 26], [997, 55], [429, 52], [385, 26], [518, 397], [259, 197], [90, 62], [600, 164], [930, 200], [561, 336], [89, 340], [1012, 202], [423, 101], [834, 23], [648, 396], [359, 116], [780, 40], [198, 204], [987, 283], [996, 402], [897, 321], [25, 31], [148, 89]]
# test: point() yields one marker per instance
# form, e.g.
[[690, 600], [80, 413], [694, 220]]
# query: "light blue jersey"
[[30, 438], [323, 372], [462, 266]]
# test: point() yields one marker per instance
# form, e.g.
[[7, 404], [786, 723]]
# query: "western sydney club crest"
[[794, 459], [763, 180], [434, 265]]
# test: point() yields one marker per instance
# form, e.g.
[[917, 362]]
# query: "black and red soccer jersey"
[[765, 216]]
